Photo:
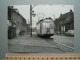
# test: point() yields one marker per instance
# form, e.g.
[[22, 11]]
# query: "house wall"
[[64, 23]]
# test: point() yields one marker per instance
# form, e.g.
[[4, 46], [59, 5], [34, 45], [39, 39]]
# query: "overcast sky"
[[43, 11]]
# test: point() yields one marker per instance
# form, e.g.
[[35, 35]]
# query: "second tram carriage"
[[45, 27]]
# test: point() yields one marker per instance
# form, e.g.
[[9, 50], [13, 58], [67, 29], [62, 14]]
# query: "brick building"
[[18, 19], [64, 23]]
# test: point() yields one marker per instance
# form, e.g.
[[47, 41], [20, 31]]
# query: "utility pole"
[[31, 13], [31, 19]]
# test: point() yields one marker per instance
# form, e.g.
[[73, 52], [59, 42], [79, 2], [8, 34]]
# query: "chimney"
[[60, 14], [71, 10]]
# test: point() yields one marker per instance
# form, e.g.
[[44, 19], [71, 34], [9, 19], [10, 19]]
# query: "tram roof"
[[43, 20]]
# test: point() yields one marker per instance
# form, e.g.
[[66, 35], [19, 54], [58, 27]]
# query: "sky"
[[43, 11]]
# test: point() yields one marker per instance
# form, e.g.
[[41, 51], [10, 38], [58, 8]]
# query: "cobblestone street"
[[38, 44]]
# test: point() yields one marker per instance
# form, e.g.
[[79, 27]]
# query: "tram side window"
[[44, 25]]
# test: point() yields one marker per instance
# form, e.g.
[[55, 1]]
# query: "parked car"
[[69, 33]]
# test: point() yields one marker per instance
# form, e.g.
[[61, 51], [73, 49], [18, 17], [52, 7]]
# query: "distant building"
[[18, 19], [64, 23]]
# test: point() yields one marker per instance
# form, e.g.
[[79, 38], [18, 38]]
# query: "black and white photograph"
[[40, 28]]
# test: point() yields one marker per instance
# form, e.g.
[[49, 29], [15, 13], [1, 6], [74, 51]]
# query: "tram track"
[[59, 45]]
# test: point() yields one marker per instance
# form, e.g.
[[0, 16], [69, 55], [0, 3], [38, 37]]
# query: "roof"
[[44, 19], [67, 17]]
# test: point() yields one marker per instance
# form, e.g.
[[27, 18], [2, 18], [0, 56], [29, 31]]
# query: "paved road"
[[39, 45]]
